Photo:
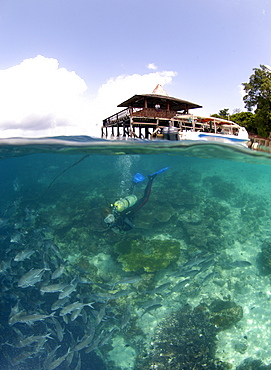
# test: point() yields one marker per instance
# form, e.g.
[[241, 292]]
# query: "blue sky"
[[66, 64]]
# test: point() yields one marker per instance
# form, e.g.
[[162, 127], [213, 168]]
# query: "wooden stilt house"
[[148, 116]]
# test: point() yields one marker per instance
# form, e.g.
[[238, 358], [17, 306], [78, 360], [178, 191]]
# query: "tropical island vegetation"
[[257, 99]]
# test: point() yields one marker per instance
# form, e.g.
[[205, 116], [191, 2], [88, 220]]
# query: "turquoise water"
[[187, 287]]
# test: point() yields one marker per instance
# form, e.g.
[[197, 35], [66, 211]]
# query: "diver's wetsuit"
[[124, 220]]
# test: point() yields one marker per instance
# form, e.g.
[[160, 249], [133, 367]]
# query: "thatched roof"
[[137, 101]]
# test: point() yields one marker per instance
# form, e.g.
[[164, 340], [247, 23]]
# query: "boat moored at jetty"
[[212, 129]]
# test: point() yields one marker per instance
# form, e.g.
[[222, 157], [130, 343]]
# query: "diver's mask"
[[110, 219]]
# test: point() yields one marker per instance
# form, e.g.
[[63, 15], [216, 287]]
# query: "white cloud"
[[116, 90], [152, 66], [38, 98], [242, 91]]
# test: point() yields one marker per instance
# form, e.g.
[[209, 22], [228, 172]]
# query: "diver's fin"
[[138, 178], [156, 173]]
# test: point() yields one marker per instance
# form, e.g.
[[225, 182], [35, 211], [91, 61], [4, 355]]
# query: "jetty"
[[160, 116]]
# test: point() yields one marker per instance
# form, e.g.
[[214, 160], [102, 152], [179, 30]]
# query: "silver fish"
[[28, 319], [67, 291], [74, 306], [68, 360], [150, 308], [95, 343], [76, 313], [180, 285], [65, 319], [159, 288], [16, 237], [59, 303], [206, 264], [126, 318], [59, 330], [15, 309], [50, 357], [54, 364], [197, 260], [240, 264], [13, 318], [107, 337], [53, 288], [86, 340], [40, 344], [31, 277], [129, 280], [151, 302], [104, 296], [84, 316], [21, 357], [32, 339], [58, 272], [100, 315], [23, 255], [4, 266], [208, 277], [122, 293], [78, 366]]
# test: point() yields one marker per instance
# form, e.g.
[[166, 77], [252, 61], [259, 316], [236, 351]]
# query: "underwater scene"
[[118, 255]]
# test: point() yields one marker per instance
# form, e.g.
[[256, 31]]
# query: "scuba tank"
[[123, 203]]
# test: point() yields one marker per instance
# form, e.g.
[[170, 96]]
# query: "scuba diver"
[[120, 219]]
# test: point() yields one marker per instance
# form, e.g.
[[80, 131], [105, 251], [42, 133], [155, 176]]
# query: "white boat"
[[212, 129]]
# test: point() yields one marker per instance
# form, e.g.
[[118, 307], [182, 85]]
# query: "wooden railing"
[[153, 113], [117, 117], [138, 112]]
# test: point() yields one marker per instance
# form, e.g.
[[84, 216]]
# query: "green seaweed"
[[148, 255]]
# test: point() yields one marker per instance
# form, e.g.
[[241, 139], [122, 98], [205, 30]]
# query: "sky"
[[65, 65]]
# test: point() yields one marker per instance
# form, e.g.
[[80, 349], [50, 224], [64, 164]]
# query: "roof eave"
[[128, 102]]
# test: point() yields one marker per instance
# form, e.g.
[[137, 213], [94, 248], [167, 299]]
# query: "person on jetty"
[[121, 217]]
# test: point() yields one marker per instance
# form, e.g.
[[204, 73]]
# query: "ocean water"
[[183, 284]]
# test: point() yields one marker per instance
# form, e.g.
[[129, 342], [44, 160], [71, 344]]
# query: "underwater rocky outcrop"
[[220, 188], [156, 215], [205, 235], [184, 340], [224, 314], [148, 255], [265, 257], [253, 364]]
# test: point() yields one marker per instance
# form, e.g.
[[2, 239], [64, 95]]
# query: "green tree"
[[223, 113], [245, 119], [258, 98]]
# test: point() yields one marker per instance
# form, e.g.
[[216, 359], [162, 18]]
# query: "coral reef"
[[148, 255], [164, 214], [224, 314], [185, 339], [265, 257], [220, 188], [251, 364]]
